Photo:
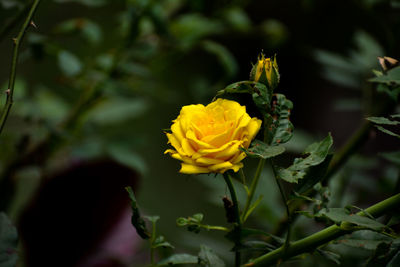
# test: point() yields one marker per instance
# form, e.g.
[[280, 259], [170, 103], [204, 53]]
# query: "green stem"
[[11, 83], [253, 187], [313, 241], [288, 213], [238, 225]]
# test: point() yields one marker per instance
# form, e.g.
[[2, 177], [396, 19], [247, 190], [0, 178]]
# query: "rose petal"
[[187, 148], [192, 169], [221, 166], [238, 158], [196, 143], [208, 161], [175, 143], [177, 130]]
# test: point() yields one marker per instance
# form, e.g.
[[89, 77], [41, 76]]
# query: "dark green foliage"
[[208, 258], [314, 175], [137, 220], [176, 259], [391, 77], [347, 220], [386, 254], [159, 241], [260, 149], [260, 93], [279, 128], [385, 121], [317, 154], [193, 223], [329, 255]]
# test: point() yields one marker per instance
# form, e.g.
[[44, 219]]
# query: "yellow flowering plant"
[[208, 138], [215, 138]]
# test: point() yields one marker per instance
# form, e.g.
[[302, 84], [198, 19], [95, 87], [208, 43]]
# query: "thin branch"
[[313, 241], [14, 62]]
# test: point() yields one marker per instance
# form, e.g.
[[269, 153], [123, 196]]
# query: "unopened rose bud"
[[388, 63], [266, 71]]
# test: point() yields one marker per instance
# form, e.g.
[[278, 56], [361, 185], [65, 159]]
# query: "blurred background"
[[98, 82]]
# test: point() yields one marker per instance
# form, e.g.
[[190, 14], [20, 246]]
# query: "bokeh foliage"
[[102, 78]]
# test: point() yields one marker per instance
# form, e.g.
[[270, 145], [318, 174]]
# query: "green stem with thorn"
[[11, 83]]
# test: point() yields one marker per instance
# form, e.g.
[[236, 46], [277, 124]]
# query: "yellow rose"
[[207, 138]]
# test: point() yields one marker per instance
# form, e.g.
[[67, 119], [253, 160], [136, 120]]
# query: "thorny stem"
[[11, 82], [322, 237], [238, 225]]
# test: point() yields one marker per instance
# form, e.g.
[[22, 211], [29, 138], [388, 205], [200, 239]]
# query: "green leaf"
[[317, 153], [393, 92], [127, 157], [182, 221], [137, 220], [69, 64], [314, 175], [360, 243], [118, 110], [303, 197], [92, 32], [8, 242], [279, 126], [208, 258], [192, 222], [391, 77], [385, 254], [329, 255], [393, 157], [260, 149], [383, 120], [395, 261], [260, 93], [190, 28], [176, 259], [224, 56], [343, 217], [252, 207], [160, 242], [198, 217], [386, 131], [87, 28]]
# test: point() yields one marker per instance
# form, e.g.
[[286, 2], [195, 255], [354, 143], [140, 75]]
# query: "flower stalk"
[[238, 224], [322, 237]]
